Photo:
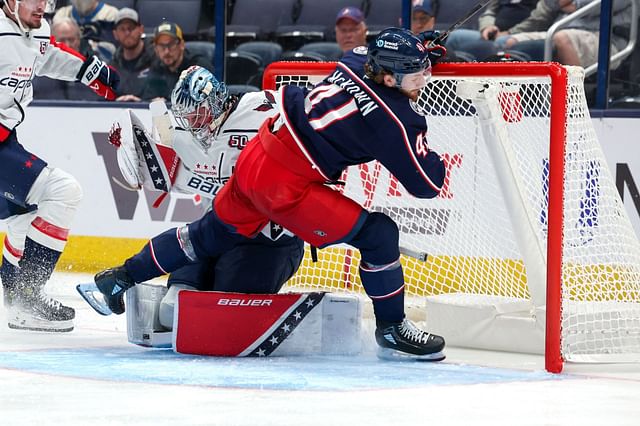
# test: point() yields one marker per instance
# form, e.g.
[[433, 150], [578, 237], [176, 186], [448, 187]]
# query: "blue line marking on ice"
[[313, 373]]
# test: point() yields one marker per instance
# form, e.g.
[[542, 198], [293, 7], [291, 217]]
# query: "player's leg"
[[165, 253], [194, 276], [56, 194], [383, 280], [323, 216], [259, 265], [18, 220]]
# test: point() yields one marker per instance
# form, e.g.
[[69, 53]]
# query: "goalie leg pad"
[[233, 324], [144, 327]]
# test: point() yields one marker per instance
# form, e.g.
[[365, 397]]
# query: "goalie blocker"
[[234, 324]]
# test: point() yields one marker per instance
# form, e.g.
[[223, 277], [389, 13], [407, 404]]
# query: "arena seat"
[[262, 17], [382, 14], [330, 50], [185, 13], [122, 3], [204, 48], [268, 51], [316, 23], [243, 68], [295, 55], [239, 89]]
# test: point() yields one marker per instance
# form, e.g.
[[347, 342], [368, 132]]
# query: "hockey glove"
[[99, 77], [433, 40]]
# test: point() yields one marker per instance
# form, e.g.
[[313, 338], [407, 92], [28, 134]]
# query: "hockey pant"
[[38, 204]]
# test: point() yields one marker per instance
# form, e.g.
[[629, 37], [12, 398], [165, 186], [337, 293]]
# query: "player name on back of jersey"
[[364, 102]]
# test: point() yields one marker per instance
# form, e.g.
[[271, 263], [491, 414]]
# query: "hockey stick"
[[419, 255], [443, 36]]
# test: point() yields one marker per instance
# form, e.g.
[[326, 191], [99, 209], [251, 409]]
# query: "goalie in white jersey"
[[38, 202], [213, 129]]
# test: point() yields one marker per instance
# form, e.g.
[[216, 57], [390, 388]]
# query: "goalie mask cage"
[[529, 245]]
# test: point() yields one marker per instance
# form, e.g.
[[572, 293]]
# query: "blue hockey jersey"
[[348, 119]]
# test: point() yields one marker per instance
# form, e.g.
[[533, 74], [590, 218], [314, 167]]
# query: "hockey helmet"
[[398, 51], [198, 103]]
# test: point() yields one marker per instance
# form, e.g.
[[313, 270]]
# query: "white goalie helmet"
[[198, 103]]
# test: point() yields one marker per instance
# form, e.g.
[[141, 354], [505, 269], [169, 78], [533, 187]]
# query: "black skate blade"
[[387, 354], [61, 329], [94, 298]]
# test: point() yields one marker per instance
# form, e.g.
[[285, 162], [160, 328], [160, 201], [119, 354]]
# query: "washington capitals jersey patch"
[[268, 103]]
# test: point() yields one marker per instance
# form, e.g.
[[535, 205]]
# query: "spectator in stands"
[[575, 44], [423, 18], [94, 17], [423, 15], [171, 59], [134, 55], [351, 30], [67, 31], [494, 23]]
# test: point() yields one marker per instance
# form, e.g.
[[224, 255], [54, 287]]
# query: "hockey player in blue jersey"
[[38, 201], [364, 110]]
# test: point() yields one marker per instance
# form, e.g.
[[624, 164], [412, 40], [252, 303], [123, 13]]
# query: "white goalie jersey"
[[217, 164], [173, 160]]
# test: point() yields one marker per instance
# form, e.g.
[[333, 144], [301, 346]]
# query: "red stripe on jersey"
[[50, 229], [155, 259], [4, 132], [388, 295], [407, 143], [11, 249], [66, 48]]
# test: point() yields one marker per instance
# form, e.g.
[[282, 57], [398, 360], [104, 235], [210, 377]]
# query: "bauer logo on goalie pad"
[[213, 323]]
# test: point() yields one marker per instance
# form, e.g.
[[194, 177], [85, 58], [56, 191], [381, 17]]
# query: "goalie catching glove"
[[432, 41], [99, 77]]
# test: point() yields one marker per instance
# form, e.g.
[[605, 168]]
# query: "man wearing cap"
[[133, 56], [351, 30], [423, 15], [171, 59]]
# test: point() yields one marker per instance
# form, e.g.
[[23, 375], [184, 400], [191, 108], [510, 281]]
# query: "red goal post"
[[530, 248]]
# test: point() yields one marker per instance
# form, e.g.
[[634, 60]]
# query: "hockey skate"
[[35, 311], [106, 296], [405, 341]]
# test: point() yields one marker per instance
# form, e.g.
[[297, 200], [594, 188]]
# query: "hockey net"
[[529, 246]]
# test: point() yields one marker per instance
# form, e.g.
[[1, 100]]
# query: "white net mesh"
[[475, 241]]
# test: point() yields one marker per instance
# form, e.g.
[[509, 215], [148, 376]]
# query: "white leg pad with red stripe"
[[57, 195], [233, 324]]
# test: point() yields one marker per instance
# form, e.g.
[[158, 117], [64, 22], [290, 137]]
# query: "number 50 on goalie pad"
[[233, 324]]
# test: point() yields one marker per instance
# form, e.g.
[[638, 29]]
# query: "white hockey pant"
[[57, 195]]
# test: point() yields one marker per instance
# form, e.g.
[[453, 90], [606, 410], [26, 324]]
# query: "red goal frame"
[[559, 83]]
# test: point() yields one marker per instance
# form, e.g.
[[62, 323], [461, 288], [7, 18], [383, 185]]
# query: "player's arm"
[[420, 170], [63, 63]]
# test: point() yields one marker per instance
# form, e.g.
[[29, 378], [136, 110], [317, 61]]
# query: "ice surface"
[[92, 376]]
